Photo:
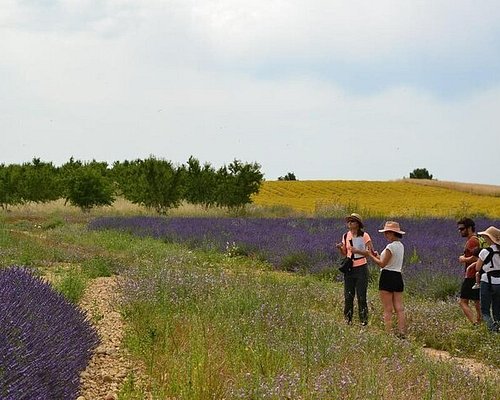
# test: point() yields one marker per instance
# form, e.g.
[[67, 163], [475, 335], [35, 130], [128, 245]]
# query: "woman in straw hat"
[[391, 283], [356, 244], [489, 292]]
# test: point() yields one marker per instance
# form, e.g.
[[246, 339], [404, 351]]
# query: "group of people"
[[357, 245], [481, 283]]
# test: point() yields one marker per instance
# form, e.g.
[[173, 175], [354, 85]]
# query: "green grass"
[[72, 285], [209, 326], [225, 333]]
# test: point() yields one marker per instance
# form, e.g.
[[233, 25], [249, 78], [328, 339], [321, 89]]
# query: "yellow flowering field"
[[371, 198]]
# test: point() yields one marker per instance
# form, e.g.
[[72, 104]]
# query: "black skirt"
[[391, 281]]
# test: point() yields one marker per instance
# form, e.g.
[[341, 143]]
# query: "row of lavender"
[[432, 245], [45, 341]]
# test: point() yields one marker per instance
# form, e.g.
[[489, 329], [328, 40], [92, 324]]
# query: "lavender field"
[[45, 341], [215, 318], [432, 245]]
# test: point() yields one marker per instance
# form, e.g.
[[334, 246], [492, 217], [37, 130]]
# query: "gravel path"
[[110, 365]]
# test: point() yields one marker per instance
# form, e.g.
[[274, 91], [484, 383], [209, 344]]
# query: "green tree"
[[10, 185], [236, 183], [122, 175], [153, 183], [40, 182], [199, 183], [420, 173], [290, 176], [86, 185]]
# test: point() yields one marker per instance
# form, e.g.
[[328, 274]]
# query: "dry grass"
[[120, 207]]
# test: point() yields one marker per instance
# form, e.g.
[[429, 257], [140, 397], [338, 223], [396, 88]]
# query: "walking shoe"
[[476, 286]]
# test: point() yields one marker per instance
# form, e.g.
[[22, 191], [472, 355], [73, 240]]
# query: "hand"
[[339, 245], [461, 259], [374, 255], [359, 251]]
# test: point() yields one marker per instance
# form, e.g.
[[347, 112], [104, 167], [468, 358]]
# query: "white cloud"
[[356, 30], [116, 80]]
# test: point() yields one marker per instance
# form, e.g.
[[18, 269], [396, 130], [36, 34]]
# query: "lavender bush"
[[432, 245], [45, 342]]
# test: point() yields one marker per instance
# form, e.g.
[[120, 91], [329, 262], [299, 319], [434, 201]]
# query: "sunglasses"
[[463, 228]]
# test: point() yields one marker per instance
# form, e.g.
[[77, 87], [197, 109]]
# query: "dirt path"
[[475, 367], [109, 366]]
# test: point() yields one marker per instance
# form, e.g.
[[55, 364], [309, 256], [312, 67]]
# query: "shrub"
[[72, 286], [45, 342]]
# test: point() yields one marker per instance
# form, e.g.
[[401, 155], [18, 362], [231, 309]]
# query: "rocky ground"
[[110, 365]]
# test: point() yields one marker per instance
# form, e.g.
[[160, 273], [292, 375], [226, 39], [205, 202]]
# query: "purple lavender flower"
[[45, 342], [432, 245]]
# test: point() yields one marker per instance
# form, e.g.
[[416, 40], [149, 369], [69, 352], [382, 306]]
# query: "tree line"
[[154, 183]]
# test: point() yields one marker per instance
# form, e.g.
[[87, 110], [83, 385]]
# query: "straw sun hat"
[[392, 226], [493, 233], [355, 217]]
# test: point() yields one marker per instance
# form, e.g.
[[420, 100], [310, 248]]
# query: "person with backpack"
[[356, 244], [489, 261], [466, 228]]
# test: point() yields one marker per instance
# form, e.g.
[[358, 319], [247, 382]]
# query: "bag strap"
[[489, 257], [345, 244], [494, 271]]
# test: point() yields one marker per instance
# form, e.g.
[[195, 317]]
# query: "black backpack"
[[496, 269]]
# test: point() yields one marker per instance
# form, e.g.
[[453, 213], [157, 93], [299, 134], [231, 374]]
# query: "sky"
[[326, 89]]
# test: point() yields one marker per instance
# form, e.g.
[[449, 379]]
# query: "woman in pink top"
[[356, 244]]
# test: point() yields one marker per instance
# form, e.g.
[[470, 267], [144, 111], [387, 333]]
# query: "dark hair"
[[398, 235], [467, 223], [360, 232]]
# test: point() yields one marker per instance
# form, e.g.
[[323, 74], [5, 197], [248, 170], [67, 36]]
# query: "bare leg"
[[400, 311], [386, 298], [478, 311], [464, 305]]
